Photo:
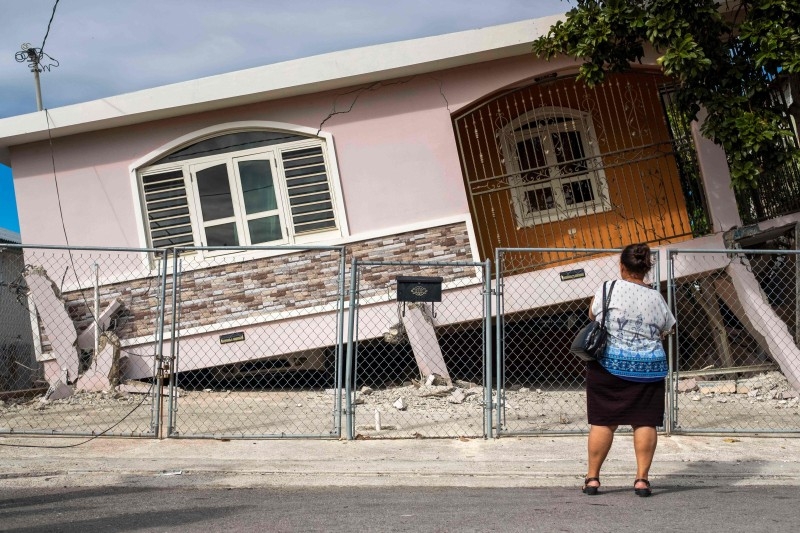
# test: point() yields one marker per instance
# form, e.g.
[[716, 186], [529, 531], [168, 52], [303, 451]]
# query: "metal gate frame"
[[169, 364], [156, 263], [674, 374], [352, 355], [584, 254]]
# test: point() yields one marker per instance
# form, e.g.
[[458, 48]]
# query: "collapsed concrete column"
[[58, 326], [419, 326], [743, 295]]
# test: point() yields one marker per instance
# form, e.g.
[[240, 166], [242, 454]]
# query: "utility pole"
[[33, 57]]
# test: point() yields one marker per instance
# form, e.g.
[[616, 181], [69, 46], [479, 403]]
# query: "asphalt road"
[[705, 509]]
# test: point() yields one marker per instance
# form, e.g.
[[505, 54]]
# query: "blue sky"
[[8, 207], [114, 47]]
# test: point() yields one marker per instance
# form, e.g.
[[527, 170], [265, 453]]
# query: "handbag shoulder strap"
[[606, 300]]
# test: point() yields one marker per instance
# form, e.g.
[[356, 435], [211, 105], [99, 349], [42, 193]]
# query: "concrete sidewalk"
[[507, 462]]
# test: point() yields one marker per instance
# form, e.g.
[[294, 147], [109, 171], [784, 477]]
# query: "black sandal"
[[590, 490], [642, 493]]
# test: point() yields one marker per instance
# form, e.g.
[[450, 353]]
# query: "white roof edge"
[[280, 80]]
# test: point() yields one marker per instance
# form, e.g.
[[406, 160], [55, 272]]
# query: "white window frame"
[[280, 210], [144, 167], [512, 134], [240, 216]]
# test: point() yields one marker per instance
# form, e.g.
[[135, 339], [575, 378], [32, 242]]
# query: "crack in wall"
[[359, 92]]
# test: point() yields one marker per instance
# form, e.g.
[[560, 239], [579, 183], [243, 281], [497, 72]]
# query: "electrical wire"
[[47, 33], [55, 179], [38, 55], [34, 56], [120, 421], [74, 269]]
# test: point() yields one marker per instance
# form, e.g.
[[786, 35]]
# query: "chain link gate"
[[738, 362], [543, 297], [81, 332], [258, 342], [419, 352]]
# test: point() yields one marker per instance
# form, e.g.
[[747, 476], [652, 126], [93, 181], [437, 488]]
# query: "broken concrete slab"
[[86, 338], [743, 295], [717, 387], [434, 391], [687, 385], [457, 397], [104, 372], [57, 324], [58, 391]]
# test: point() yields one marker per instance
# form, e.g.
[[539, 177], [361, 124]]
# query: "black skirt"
[[613, 401]]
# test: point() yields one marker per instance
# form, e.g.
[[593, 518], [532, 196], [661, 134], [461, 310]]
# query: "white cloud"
[[113, 47]]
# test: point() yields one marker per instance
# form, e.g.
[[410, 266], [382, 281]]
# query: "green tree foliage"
[[724, 58]]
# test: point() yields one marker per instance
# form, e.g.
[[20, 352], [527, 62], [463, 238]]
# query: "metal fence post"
[[348, 377], [158, 429], [173, 349], [672, 349], [499, 310], [340, 343], [487, 336]]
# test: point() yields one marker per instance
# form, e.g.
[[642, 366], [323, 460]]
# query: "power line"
[[35, 58], [52, 15]]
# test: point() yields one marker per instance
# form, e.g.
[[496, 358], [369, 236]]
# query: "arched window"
[[240, 188], [553, 161]]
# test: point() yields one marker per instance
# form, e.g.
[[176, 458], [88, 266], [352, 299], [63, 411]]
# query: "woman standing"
[[626, 385]]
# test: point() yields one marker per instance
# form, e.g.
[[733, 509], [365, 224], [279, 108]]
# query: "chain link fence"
[[257, 342], [81, 337], [543, 297], [738, 362], [419, 350], [253, 342]]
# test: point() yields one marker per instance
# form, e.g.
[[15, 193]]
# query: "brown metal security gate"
[[558, 164]]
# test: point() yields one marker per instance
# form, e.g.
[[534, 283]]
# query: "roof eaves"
[[291, 78]]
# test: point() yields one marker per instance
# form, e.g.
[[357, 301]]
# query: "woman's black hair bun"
[[637, 258]]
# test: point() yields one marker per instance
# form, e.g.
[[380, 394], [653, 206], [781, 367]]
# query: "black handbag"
[[590, 343]]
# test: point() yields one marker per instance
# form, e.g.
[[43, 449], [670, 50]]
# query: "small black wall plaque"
[[419, 289], [231, 337], [572, 274]]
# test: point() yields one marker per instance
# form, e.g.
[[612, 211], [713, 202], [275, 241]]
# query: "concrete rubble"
[[415, 407]]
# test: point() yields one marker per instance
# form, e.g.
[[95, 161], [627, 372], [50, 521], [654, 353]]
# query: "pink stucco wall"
[[397, 156]]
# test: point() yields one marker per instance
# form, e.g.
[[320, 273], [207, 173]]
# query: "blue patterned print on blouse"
[[635, 366]]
